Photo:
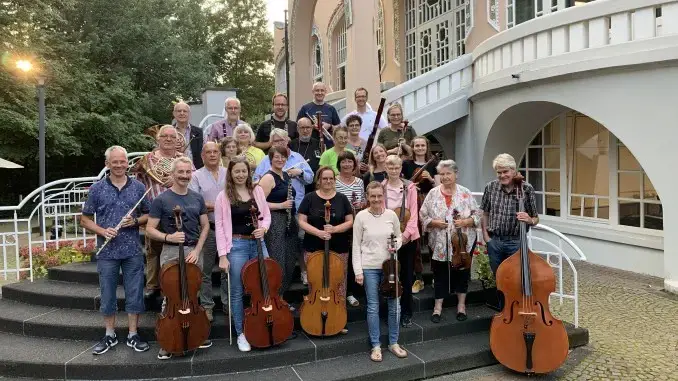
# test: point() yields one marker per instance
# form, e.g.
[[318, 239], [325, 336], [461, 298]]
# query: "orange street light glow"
[[24, 65]]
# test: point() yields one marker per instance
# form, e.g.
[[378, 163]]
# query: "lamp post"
[[26, 67]]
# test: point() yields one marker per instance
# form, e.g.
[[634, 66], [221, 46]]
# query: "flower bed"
[[43, 259]]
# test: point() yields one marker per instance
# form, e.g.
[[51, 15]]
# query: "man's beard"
[[305, 139]]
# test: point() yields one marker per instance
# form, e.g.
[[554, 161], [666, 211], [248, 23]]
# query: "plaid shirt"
[[502, 207]]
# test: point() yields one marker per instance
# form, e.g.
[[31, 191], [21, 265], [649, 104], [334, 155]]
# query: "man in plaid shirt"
[[500, 212]]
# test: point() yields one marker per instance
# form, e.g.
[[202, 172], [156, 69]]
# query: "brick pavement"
[[633, 328]]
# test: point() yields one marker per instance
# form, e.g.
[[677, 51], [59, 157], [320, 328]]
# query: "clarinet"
[[289, 197]]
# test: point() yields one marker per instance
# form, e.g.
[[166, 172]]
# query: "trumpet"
[[117, 227]]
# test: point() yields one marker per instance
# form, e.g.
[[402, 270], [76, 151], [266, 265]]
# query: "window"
[[541, 167], [595, 163], [493, 13], [340, 38], [281, 77], [380, 36], [435, 31], [639, 204], [519, 11], [316, 56]]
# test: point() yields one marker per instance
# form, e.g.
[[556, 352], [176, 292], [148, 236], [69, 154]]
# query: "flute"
[[117, 227]]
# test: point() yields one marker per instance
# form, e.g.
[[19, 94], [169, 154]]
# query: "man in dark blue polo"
[[111, 199]]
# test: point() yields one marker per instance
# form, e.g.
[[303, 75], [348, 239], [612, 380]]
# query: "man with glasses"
[[154, 171], [307, 146], [223, 128], [278, 119], [366, 113], [190, 136], [330, 117]]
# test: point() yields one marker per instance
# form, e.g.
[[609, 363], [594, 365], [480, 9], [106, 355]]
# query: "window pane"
[[522, 162], [603, 208], [654, 217], [551, 133], [552, 205], [535, 178], [649, 193], [537, 140], [629, 185], [540, 203], [575, 206], [590, 169], [589, 207], [627, 162], [534, 157], [552, 181], [629, 213], [552, 158]]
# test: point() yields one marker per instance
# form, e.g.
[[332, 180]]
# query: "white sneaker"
[[243, 345], [352, 301], [304, 277]]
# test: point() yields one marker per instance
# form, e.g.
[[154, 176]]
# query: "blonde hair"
[[394, 159], [246, 127], [181, 159], [373, 185], [504, 160]]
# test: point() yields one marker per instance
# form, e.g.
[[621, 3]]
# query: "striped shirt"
[[502, 207], [356, 187]]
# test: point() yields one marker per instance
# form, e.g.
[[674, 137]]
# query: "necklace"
[[306, 150], [376, 215]]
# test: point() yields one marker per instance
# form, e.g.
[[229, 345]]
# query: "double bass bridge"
[[267, 308], [185, 311]]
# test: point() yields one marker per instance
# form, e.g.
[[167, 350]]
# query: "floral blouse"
[[435, 208]]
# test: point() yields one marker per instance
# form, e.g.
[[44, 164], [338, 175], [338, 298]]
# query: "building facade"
[[579, 92]]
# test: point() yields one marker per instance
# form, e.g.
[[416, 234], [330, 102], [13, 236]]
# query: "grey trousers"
[[210, 257]]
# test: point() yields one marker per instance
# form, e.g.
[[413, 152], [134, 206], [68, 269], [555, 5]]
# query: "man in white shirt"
[[367, 114]]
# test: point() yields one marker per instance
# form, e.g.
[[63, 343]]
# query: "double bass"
[[323, 312], [268, 320], [183, 325], [524, 336]]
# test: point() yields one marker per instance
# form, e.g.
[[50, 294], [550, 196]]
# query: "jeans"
[[133, 282], [498, 250], [209, 257], [372, 279], [242, 251]]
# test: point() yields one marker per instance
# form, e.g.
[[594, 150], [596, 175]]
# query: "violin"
[[390, 286], [524, 336], [355, 203], [402, 212], [268, 320], [461, 259], [323, 312], [416, 177], [370, 140], [402, 137], [183, 325]]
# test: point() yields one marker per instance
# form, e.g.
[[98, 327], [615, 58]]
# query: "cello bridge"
[[324, 298], [185, 312], [267, 308]]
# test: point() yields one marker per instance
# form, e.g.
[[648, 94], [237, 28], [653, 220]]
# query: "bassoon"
[[375, 128]]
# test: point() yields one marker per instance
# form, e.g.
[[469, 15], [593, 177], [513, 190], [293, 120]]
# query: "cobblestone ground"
[[633, 328]]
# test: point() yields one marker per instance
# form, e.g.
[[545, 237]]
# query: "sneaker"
[[243, 345], [304, 277], [164, 355], [210, 314], [417, 286], [104, 345], [406, 322], [206, 344], [137, 344], [352, 301]]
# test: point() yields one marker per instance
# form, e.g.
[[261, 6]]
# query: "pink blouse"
[[393, 199], [222, 218]]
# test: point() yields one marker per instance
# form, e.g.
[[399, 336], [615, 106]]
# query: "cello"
[[183, 325], [323, 312], [524, 336], [268, 320]]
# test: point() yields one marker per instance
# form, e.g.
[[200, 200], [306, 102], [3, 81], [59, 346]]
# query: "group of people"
[[289, 175]]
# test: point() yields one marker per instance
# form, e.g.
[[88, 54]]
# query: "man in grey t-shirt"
[[195, 224]]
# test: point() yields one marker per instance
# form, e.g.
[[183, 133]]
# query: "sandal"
[[375, 355], [397, 351], [437, 315]]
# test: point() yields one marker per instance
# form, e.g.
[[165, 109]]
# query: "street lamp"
[[26, 67]]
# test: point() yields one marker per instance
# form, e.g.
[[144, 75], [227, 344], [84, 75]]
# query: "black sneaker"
[[206, 344], [164, 355], [406, 322], [104, 345], [137, 344]]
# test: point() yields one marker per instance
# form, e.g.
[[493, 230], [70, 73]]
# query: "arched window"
[[380, 36], [601, 180], [341, 50], [316, 55], [281, 77]]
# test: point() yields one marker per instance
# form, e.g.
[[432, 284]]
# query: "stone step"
[[301, 359], [86, 272], [83, 296]]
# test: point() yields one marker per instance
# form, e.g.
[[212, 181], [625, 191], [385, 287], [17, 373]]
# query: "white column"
[[670, 208], [362, 67]]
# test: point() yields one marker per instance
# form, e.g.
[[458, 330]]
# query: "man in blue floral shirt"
[[111, 200]]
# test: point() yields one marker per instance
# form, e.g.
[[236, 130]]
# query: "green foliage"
[[483, 268], [115, 67], [67, 252]]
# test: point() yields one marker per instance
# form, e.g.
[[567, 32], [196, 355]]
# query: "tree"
[[242, 52]]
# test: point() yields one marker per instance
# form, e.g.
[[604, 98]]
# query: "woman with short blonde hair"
[[245, 137]]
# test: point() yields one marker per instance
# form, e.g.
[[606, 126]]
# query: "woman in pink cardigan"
[[236, 235], [395, 190]]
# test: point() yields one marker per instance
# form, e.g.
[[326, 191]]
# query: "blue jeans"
[[133, 282], [242, 251], [372, 279], [498, 250]]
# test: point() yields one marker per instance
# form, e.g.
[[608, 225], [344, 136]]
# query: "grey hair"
[[110, 150], [246, 127], [504, 160], [279, 132], [181, 159], [232, 99], [448, 164], [166, 127], [182, 103], [319, 84]]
